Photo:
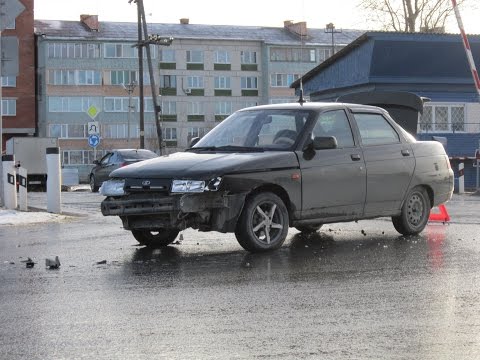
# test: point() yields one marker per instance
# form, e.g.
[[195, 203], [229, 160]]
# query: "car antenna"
[[301, 99]]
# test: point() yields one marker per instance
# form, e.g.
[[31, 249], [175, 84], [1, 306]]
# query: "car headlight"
[[195, 186], [112, 188], [184, 186]]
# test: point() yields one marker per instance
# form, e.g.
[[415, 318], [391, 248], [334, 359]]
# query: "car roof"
[[318, 106]]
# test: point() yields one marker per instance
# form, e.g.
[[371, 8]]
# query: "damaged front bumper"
[[206, 211]]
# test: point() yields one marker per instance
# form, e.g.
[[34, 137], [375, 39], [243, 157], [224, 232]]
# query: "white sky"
[[345, 14]]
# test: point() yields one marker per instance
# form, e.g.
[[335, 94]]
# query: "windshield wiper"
[[226, 148]]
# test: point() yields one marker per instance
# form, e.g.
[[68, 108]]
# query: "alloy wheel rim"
[[267, 222]]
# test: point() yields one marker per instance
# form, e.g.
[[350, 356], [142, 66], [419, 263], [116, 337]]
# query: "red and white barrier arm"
[[466, 45]]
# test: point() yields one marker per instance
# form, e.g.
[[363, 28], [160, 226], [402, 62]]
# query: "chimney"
[[90, 21], [299, 28], [184, 21]]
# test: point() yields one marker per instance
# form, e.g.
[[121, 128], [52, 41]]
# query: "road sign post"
[[93, 141]]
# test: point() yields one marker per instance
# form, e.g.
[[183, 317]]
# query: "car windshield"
[[258, 129]]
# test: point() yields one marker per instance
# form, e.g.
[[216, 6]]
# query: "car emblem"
[[146, 182]]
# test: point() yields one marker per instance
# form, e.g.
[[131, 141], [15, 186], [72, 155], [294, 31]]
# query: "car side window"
[[105, 159], [335, 123], [375, 129]]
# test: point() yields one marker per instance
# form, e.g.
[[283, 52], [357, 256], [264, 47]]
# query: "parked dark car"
[[267, 168], [113, 160]]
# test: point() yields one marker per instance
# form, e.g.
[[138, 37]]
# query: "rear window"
[[138, 154]]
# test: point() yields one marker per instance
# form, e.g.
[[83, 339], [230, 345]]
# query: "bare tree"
[[411, 15]]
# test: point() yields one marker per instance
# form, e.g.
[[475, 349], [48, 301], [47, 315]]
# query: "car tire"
[[263, 224], [155, 238], [308, 228], [93, 187], [415, 212]]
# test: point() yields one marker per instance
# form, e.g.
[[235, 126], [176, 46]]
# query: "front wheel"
[[263, 224], [155, 238], [415, 212]]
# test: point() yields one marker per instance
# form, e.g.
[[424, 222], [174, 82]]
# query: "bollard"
[[9, 182], [22, 189], [461, 178], [54, 180]]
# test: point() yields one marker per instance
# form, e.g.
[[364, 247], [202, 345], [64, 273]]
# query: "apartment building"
[[18, 92], [207, 73]]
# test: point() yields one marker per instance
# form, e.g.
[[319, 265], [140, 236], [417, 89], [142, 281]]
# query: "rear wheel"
[[263, 224], [155, 238], [415, 212], [93, 187], [308, 228]]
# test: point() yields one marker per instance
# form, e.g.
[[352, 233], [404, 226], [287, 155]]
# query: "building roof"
[[128, 31], [401, 57]]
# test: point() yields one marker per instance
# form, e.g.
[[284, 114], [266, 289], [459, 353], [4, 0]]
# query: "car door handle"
[[406, 152], [355, 157]]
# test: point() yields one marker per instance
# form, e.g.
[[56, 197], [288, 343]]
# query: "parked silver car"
[[113, 160]]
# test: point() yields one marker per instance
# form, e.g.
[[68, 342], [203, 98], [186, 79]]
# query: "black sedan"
[[113, 160], [267, 168]]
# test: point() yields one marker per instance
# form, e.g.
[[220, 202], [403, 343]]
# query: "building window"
[[283, 80], [442, 118], [120, 51], [249, 82], [73, 50], [123, 77], [167, 55], [195, 82], [248, 57], [168, 81], [247, 104], [169, 134], [88, 77], [324, 54], [223, 108], [68, 131], [9, 81], [74, 77], [292, 54], [115, 104], [72, 104], [195, 56], [195, 108], [80, 157], [222, 82], [114, 131], [9, 107], [221, 57], [169, 107]]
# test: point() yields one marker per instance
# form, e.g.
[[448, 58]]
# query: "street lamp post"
[[129, 88]]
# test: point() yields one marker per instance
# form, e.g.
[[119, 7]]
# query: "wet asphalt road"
[[353, 291]]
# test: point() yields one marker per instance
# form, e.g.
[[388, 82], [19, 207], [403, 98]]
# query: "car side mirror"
[[96, 162], [325, 142], [194, 141]]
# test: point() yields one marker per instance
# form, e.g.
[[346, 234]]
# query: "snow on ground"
[[14, 217]]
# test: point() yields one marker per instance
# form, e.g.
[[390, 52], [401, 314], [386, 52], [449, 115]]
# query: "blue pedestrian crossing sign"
[[93, 140]]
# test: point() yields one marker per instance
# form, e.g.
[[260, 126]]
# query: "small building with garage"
[[423, 79]]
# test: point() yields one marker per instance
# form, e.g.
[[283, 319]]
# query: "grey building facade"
[[207, 73]]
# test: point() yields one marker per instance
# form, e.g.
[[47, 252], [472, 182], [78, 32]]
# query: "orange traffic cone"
[[442, 216]]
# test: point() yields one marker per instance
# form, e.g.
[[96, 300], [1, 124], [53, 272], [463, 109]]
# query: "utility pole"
[[330, 28], [129, 89], [144, 40]]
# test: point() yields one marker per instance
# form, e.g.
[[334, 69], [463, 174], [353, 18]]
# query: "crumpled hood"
[[190, 165]]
